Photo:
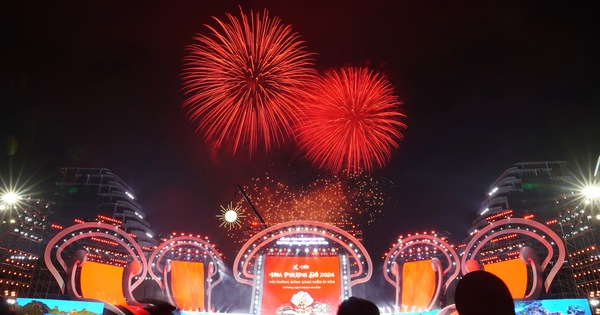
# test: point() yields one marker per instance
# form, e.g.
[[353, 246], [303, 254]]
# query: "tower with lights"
[[532, 191], [23, 229], [579, 220]]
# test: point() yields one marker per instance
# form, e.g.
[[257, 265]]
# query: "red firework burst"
[[244, 82], [352, 121]]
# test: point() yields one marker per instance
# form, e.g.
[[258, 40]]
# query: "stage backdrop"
[[302, 284]]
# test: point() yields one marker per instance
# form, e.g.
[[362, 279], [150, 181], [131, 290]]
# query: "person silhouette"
[[5, 308], [357, 306], [480, 292]]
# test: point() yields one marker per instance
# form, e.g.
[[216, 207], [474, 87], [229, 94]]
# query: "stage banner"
[[418, 285], [102, 282], [301, 285], [187, 285]]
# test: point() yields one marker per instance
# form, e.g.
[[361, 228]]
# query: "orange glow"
[[513, 272], [303, 284], [102, 282], [187, 285], [418, 285]]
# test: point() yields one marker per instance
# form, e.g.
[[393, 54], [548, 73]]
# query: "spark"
[[348, 203]]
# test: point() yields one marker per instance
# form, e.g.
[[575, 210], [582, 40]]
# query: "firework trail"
[[352, 121], [245, 80]]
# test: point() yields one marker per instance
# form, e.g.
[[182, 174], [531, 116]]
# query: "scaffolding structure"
[[22, 241], [580, 222]]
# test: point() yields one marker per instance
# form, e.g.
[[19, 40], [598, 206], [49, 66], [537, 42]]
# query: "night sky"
[[484, 84]]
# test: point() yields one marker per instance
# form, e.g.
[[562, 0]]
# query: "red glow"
[[244, 82], [101, 240], [352, 121], [105, 218], [504, 214]]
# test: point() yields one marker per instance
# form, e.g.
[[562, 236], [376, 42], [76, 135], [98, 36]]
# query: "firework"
[[348, 203], [352, 121], [244, 83]]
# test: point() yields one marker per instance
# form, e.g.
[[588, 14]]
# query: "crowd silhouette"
[[481, 292]]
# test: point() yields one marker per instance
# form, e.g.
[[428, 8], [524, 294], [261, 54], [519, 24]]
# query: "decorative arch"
[[345, 244], [197, 250], [552, 243], [135, 266], [444, 262]]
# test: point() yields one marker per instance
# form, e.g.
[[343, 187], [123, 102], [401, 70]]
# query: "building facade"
[[533, 191], [90, 193], [579, 220], [23, 235]]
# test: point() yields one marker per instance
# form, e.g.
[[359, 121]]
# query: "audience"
[[480, 292], [357, 306], [5, 309]]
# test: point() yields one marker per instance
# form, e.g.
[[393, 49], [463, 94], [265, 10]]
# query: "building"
[[579, 220], [23, 233], [90, 193], [528, 190]]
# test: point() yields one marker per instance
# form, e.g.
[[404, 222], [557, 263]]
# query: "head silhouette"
[[357, 306], [480, 292]]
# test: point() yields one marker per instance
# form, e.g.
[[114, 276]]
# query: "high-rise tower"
[[85, 193], [22, 240], [532, 191]]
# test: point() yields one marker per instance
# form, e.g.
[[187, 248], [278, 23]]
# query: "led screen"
[[102, 282], [49, 306], [295, 285], [434, 312], [418, 285], [513, 272], [554, 307], [187, 285]]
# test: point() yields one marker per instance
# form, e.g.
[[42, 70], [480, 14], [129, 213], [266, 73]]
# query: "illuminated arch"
[[161, 261], [355, 251], [446, 268], [530, 228], [135, 267]]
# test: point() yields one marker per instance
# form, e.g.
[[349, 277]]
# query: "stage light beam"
[[230, 216], [11, 198], [591, 192]]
